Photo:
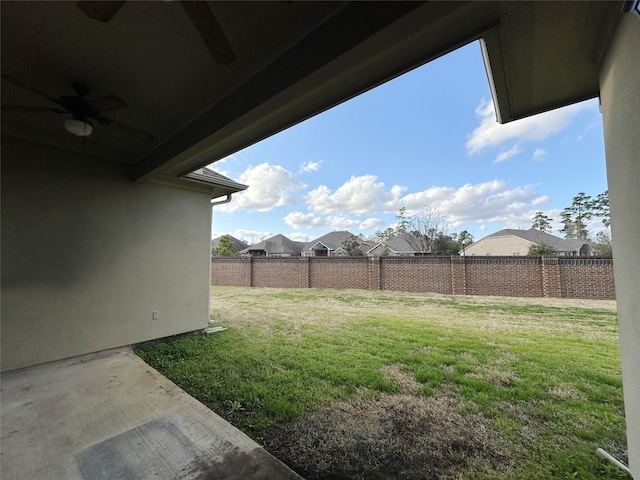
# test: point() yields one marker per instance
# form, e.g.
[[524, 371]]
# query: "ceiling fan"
[[199, 12], [82, 111]]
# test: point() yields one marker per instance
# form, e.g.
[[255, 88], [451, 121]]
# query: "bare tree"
[[422, 231]]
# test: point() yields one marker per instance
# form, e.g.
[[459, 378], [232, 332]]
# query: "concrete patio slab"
[[112, 416]]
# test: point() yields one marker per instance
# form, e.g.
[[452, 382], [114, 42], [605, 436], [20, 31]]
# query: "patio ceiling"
[[292, 60]]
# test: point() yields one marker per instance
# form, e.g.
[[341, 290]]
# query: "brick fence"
[[570, 277]]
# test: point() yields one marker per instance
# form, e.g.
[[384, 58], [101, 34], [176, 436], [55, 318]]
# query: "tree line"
[[575, 218], [429, 232]]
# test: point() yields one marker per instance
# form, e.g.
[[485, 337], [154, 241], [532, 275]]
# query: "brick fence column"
[[458, 275], [249, 272], [551, 284], [373, 269], [304, 277]]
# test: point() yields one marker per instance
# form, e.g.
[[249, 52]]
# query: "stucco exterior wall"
[[620, 106], [88, 255], [507, 245]]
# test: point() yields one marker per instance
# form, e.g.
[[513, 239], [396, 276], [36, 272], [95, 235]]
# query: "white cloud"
[[310, 166], [491, 201], [506, 154], [252, 236], [483, 202], [300, 237], [270, 186], [299, 220], [359, 195], [341, 222], [539, 153], [371, 224], [535, 128]]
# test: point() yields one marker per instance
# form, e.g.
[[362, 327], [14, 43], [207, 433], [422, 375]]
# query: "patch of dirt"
[[421, 350], [566, 391], [397, 436], [495, 376], [406, 380]]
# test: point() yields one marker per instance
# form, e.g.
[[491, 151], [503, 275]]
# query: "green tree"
[[387, 234], [403, 221], [224, 248], [352, 247], [540, 250], [575, 217], [445, 245], [541, 222], [601, 208], [464, 239], [603, 244]]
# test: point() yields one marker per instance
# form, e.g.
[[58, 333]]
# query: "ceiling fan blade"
[[108, 103], [107, 122], [210, 30], [101, 11], [30, 89], [25, 108]]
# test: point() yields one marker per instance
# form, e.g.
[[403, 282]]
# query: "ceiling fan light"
[[80, 128]]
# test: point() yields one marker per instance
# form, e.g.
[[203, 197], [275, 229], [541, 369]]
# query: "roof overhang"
[[221, 185], [292, 60], [545, 55]]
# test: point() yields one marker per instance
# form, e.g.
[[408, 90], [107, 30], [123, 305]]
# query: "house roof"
[[539, 237], [237, 244], [398, 244], [276, 245], [222, 185], [331, 241]]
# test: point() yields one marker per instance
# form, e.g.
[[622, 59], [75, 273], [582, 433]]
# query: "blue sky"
[[427, 139]]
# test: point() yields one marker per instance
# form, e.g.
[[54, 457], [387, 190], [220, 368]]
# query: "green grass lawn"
[[378, 384]]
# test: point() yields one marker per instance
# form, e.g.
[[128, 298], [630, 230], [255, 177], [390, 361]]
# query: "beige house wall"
[[620, 106], [88, 256], [507, 245]]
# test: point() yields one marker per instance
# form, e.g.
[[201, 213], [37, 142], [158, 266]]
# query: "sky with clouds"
[[427, 139]]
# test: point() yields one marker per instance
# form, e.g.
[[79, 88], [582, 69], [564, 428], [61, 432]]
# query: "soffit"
[[545, 55], [293, 60]]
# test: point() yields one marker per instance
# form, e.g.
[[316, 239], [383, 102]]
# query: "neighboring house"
[[276, 246], [237, 244], [517, 242], [396, 247], [332, 245]]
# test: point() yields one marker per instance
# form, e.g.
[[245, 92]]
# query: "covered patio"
[[111, 110], [110, 415]]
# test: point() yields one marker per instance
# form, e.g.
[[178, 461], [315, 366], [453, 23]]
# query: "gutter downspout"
[[213, 204], [220, 202]]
